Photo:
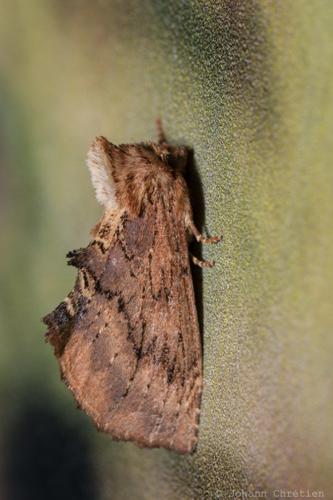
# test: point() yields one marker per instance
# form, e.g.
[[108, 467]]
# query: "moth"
[[127, 336]]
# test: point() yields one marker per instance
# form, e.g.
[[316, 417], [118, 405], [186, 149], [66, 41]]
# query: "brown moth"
[[127, 336]]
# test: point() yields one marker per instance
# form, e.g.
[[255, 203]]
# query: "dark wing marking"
[[127, 337]]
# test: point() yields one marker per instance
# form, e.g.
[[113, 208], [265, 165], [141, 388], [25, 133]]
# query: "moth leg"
[[200, 238], [202, 263]]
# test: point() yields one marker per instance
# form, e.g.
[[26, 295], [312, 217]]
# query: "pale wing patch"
[[99, 164]]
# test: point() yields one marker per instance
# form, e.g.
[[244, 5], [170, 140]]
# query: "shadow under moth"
[[127, 336]]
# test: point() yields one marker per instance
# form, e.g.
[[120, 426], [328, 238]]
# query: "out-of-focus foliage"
[[248, 84]]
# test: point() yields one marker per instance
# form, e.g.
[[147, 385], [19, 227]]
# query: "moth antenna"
[[160, 131]]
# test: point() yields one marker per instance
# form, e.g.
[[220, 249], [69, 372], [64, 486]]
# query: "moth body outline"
[[127, 337]]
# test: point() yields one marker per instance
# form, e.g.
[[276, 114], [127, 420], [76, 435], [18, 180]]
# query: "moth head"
[[123, 176], [175, 157]]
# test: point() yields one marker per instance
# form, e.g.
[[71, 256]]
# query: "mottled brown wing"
[[127, 336]]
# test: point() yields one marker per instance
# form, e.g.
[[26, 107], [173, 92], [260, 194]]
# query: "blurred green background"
[[248, 84]]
